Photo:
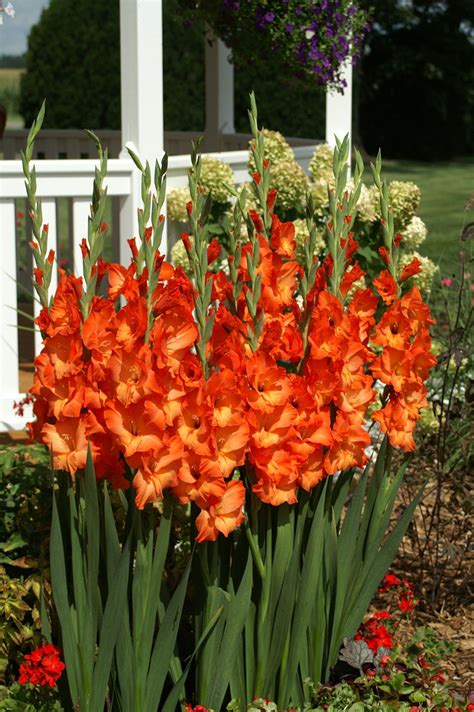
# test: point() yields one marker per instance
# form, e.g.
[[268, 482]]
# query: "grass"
[[446, 188], [9, 95]]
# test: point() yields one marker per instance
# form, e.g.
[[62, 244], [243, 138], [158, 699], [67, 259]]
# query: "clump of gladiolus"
[[263, 377]]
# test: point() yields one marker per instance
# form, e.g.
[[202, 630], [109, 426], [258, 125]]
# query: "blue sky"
[[14, 31]]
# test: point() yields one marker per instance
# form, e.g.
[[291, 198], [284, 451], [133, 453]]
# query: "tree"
[[73, 60], [416, 79]]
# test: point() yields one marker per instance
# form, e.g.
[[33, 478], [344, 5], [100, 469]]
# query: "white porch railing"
[[74, 143], [71, 180]]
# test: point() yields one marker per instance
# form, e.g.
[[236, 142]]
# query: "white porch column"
[[339, 110], [219, 92], [141, 62]]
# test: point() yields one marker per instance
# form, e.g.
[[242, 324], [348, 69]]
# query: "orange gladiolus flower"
[[283, 238], [348, 447], [223, 516], [158, 472], [414, 267], [68, 441], [268, 384], [386, 287]]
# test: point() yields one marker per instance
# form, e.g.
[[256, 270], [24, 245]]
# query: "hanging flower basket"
[[312, 40]]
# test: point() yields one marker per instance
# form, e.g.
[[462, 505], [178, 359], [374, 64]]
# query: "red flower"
[[42, 666], [375, 635], [389, 582], [406, 603]]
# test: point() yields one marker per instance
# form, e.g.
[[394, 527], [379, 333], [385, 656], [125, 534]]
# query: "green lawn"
[[445, 189]]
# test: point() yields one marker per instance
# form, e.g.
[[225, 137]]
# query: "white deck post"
[[219, 92], [141, 52], [339, 111]]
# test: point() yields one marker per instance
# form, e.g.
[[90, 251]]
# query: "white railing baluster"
[[80, 214], [9, 377]]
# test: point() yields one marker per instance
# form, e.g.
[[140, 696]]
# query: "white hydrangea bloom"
[[275, 149], [414, 234], [176, 204], [428, 268], [179, 256], [368, 207], [302, 235], [404, 199], [319, 191], [215, 177], [290, 182], [320, 165]]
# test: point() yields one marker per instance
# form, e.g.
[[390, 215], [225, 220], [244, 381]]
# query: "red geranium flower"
[[42, 666]]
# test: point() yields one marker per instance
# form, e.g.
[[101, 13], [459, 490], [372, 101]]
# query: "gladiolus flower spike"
[[262, 379]]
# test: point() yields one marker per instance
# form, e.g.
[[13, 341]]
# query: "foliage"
[[381, 669], [26, 698], [12, 61], [114, 649], [446, 434], [85, 96], [408, 678], [25, 512], [19, 618], [25, 508], [419, 54], [312, 40], [318, 576]]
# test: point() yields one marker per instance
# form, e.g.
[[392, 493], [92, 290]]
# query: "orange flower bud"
[[84, 248], [133, 246], [271, 198], [187, 242], [38, 273]]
